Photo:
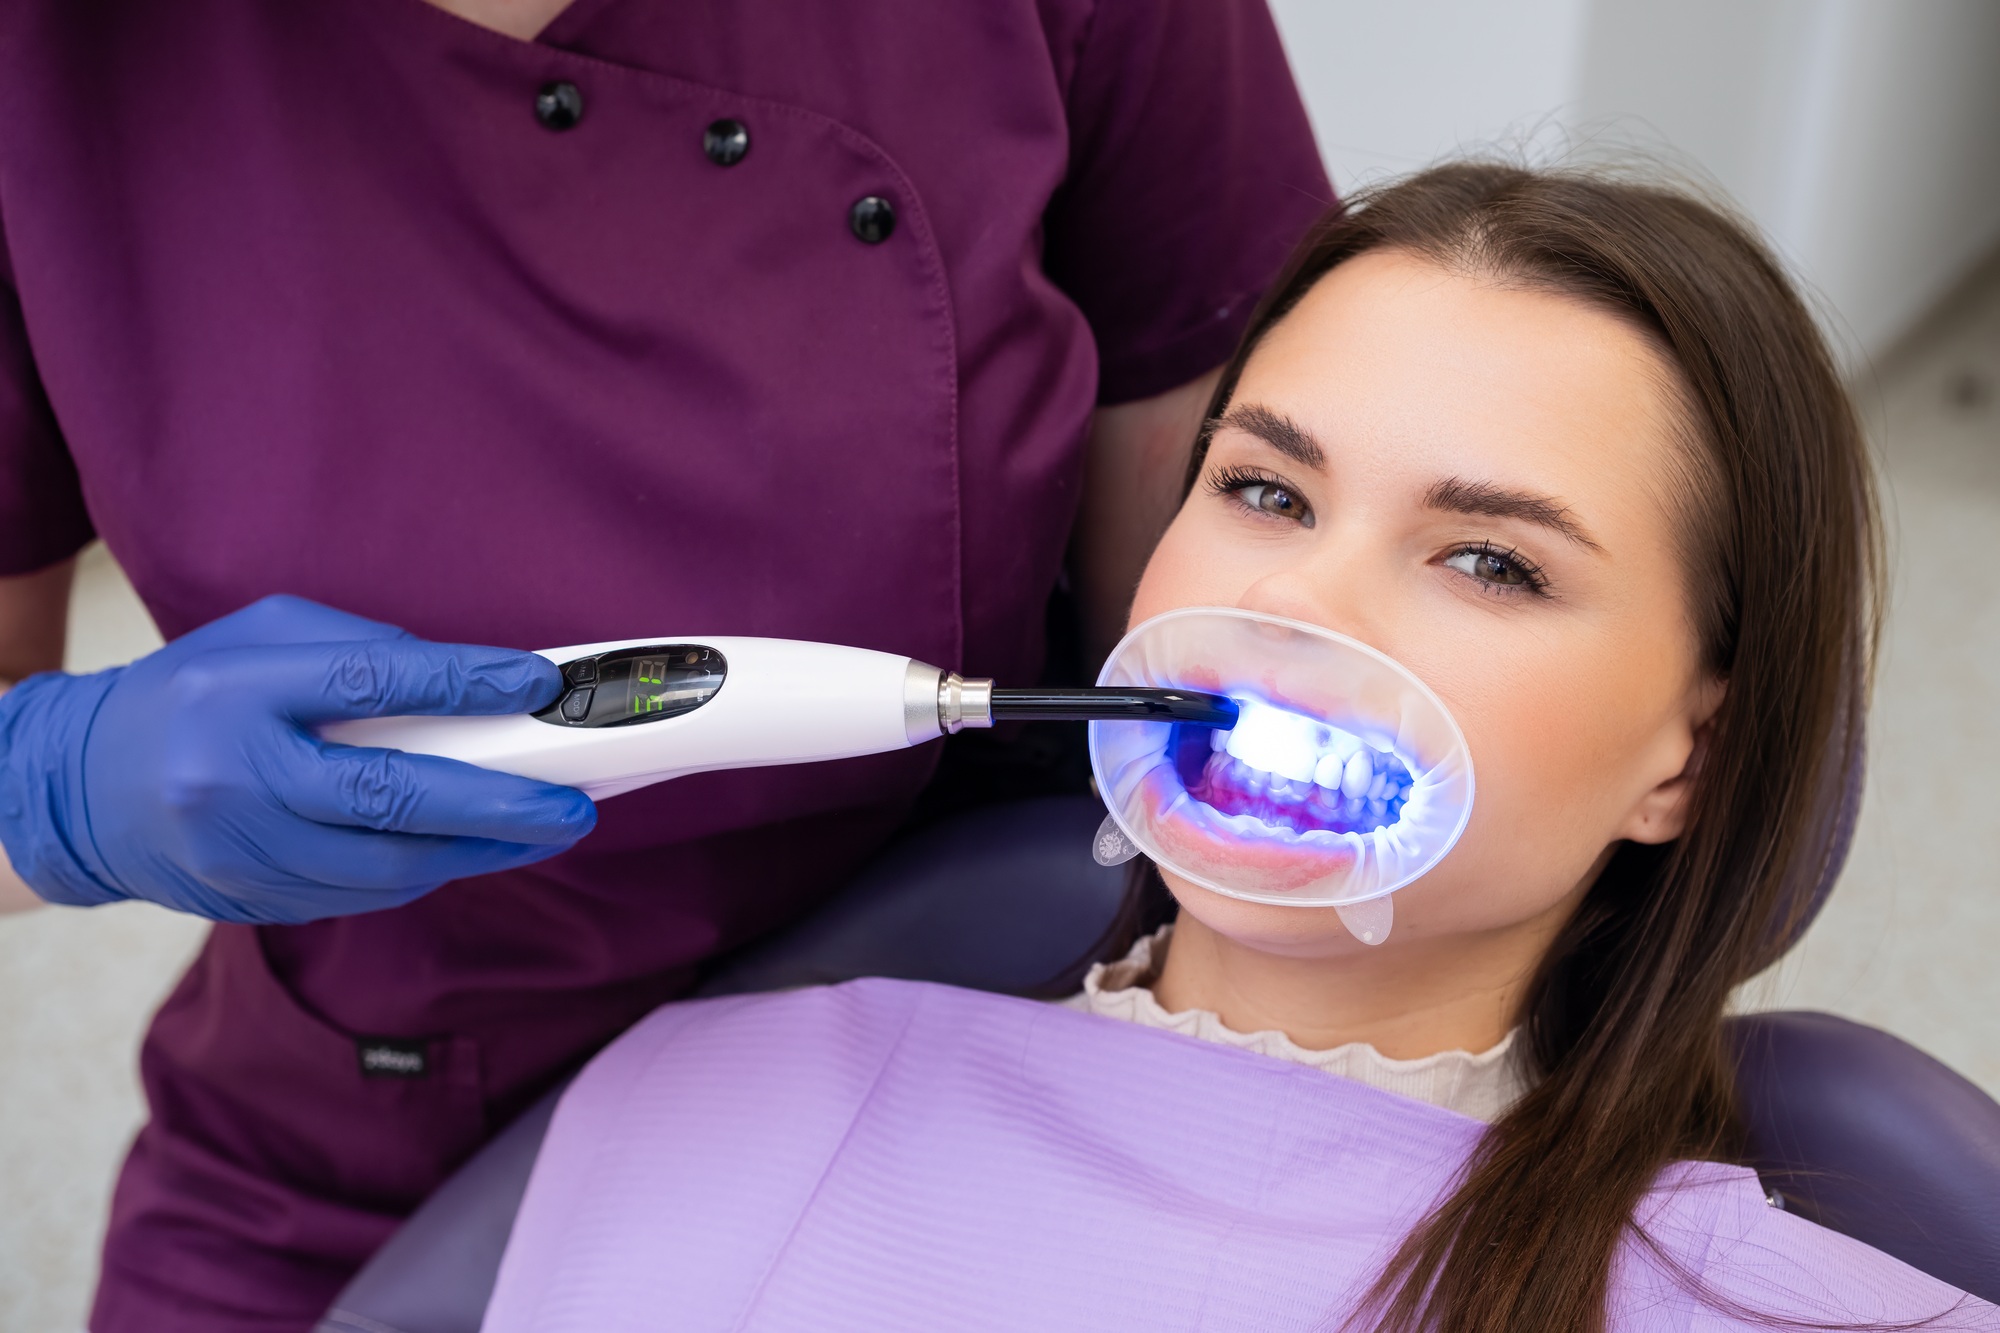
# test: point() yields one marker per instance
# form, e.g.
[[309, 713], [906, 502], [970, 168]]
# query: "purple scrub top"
[[705, 317]]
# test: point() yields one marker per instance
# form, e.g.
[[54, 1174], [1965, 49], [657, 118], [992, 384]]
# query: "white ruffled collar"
[[1481, 1086]]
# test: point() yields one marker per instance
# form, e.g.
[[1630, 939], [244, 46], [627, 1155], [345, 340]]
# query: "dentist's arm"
[[34, 610], [195, 777], [1133, 467]]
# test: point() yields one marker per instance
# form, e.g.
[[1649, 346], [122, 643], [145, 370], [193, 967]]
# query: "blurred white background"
[[1862, 135]]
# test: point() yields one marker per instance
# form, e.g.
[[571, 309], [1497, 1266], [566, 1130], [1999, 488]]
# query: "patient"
[[1573, 452]]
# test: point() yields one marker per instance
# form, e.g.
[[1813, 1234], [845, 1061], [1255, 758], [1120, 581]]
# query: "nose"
[[1339, 587]]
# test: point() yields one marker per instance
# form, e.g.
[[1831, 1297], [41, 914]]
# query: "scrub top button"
[[559, 105], [725, 142], [872, 219]]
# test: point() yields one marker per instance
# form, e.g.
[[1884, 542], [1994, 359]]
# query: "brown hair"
[[1623, 1023]]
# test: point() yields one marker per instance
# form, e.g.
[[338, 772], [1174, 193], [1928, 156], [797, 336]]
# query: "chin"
[[1289, 932]]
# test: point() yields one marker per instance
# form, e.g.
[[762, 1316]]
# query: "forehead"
[[1405, 370]]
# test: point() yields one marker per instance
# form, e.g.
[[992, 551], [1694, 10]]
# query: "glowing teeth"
[[1276, 741], [1293, 771], [1359, 774], [1295, 746]]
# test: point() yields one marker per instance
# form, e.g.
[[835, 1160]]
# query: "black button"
[[584, 672], [559, 105], [577, 706], [725, 142], [872, 219]]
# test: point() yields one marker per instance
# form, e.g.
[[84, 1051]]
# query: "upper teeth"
[[1301, 749]]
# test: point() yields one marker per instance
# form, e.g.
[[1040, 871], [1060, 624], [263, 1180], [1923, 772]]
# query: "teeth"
[[1275, 740], [1358, 775], [1288, 770]]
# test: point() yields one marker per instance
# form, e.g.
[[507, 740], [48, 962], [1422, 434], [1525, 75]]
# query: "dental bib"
[[1344, 778]]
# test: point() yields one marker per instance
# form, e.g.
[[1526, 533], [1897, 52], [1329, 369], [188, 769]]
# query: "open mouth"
[[1291, 772]]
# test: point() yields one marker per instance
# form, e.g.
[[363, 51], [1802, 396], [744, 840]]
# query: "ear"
[[1661, 813]]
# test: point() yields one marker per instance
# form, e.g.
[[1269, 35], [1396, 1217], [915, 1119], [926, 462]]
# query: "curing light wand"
[[640, 711]]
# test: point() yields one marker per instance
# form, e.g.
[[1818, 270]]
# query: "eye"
[[1273, 500], [1262, 493], [1498, 568]]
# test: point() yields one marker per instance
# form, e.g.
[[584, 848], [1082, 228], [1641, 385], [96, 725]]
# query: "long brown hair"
[[1623, 1023]]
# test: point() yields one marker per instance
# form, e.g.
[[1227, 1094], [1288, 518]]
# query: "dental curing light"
[[640, 711], [1343, 779]]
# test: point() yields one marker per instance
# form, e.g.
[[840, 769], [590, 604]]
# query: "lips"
[[1240, 851]]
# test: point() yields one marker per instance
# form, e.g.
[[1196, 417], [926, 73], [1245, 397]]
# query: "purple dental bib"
[[897, 1155]]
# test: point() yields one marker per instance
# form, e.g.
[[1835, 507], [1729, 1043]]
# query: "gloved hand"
[[193, 777]]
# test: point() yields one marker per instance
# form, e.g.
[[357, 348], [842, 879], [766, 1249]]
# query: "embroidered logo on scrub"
[[386, 1057]]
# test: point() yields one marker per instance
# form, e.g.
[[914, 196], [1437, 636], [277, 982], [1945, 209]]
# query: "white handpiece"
[[767, 701]]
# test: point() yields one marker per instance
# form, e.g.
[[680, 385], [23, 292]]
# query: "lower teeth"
[[1231, 787]]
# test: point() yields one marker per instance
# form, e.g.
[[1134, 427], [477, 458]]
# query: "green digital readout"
[[649, 671], [634, 686]]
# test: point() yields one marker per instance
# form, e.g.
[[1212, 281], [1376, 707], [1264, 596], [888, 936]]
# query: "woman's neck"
[[1408, 998]]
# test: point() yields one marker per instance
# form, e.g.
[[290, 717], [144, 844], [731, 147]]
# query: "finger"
[[424, 794], [325, 682], [280, 619]]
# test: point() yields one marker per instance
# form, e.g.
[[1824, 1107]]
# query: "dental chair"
[[1849, 1126]]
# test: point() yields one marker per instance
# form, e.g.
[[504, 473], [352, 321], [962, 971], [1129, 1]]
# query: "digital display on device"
[[635, 685]]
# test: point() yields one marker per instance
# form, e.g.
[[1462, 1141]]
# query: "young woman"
[[1571, 451]]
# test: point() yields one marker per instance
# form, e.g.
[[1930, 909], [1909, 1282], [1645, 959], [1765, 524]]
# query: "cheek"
[[1558, 728], [1190, 567]]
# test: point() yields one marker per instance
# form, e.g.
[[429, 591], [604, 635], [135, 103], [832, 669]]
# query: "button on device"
[[725, 142], [872, 219], [559, 105], [582, 672], [576, 707]]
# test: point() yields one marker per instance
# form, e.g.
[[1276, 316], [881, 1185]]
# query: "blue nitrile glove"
[[193, 777]]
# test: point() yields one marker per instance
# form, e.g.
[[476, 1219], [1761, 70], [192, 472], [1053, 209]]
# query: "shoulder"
[[1755, 1264]]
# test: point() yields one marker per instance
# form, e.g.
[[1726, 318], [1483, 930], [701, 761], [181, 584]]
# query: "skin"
[[1133, 464], [1583, 704], [33, 624], [519, 19]]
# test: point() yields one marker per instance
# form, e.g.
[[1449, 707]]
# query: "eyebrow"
[[1456, 495], [1282, 433]]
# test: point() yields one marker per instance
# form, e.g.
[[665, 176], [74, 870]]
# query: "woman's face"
[[1480, 483]]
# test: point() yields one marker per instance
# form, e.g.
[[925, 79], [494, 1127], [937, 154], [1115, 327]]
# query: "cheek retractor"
[[1343, 779]]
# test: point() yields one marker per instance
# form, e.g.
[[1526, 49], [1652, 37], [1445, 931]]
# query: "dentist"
[[500, 322]]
